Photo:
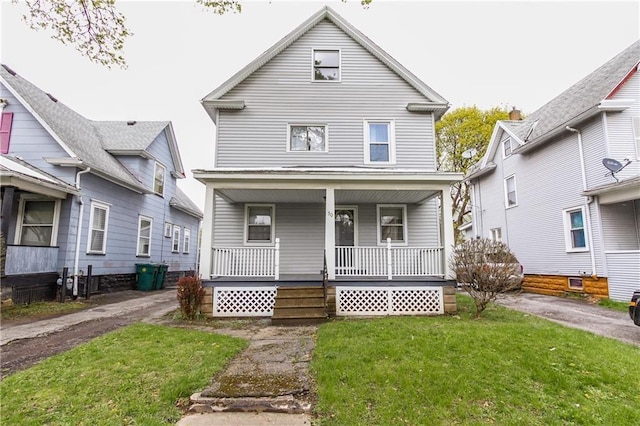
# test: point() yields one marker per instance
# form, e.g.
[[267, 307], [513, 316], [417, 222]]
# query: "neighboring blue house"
[[543, 188], [77, 192]]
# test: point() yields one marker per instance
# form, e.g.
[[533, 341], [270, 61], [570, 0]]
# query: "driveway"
[[576, 314]]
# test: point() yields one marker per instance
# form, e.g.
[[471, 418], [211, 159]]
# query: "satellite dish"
[[470, 153], [611, 164]]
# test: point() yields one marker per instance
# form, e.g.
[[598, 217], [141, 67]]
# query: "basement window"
[[576, 283]]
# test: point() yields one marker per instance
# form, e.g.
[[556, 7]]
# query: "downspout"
[[78, 232], [587, 201]]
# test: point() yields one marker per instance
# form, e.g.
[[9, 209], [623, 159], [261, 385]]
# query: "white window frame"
[[186, 241], [54, 226], [574, 287], [271, 242], [496, 234], [392, 140], [100, 206], [313, 65], [506, 191], [506, 144], [164, 178], [405, 224], [566, 221], [326, 136], [150, 220], [175, 241], [168, 227], [635, 121]]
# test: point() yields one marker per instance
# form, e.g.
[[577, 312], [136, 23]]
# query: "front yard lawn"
[[507, 368], [140, 374]]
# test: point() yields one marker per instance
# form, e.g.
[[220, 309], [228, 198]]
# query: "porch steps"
[[298, 305]]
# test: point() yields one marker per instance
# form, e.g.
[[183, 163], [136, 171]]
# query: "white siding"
[[282, 92], [620, 226]]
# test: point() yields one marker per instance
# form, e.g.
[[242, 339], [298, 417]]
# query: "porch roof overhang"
[[617, 192], [308, 185], [25, 177]]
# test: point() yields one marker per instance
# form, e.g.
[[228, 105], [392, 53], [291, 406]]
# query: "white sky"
[[482, 53]]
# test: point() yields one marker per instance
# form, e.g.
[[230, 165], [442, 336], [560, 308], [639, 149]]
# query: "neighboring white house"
[[544, 188], [325, 151], [79, 193]]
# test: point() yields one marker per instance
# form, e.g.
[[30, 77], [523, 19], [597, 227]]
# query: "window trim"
[[150, 220], [635, 124], [496, 232], [168, 228], [176, 238], [106, 207], [326, 137], [186, 241], [506, 155], [506, 192], [566, 225], [367, 143], [572, 287], [164, 177], [313, 65], [20, 219], [405, 226], [271, 242]]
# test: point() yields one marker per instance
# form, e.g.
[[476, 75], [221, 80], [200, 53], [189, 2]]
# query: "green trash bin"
[[146, 275], [162, 275]]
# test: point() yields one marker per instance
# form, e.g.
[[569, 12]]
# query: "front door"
[[345, 225]]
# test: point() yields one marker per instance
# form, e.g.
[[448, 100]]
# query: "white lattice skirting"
[[243, 301], [389, 301]]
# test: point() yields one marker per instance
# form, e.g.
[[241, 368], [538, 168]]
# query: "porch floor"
[[287, 280]]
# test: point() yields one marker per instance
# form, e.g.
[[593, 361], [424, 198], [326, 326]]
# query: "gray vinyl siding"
[[281, 93], [620, 225]]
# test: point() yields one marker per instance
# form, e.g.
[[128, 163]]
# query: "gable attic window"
[[158, 179], [307, 138], [506, 148], [326, 65], [5, 131]]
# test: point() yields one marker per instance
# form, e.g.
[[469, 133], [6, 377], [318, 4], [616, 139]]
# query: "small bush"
[[485, 268], [190, 296]]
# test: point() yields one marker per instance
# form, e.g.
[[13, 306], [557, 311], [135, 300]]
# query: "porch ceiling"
[[317, 196]]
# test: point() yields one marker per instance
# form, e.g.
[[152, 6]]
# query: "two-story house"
[[325, 156], [79, 193], [545, 186]]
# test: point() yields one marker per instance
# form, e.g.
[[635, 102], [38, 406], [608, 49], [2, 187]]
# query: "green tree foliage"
[[464, 130], [95, 27]]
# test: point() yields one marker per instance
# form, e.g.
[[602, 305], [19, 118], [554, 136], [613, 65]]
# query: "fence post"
[[389, 260], [87, 282], [277, 260]]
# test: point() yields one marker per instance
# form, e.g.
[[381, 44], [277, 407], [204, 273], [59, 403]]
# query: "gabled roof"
[[435, 102], [181, 202], [22, 175], [86, 142], [583, 100]]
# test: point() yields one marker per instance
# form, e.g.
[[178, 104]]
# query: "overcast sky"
[[480, 53]]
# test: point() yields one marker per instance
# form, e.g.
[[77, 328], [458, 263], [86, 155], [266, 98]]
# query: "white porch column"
[[447, 230], [330, 232], [207, 233]]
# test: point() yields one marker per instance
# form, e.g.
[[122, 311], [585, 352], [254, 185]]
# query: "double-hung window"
[[379, 142], [158, 179], [259, 223], [496, 234], [175, 246], [98, 222], [37, 221], [636, 135], [575, 231], [186, 243], [326, 65], [392, 223], [506, 148], [144, 236], [511, 197], [307, 138]]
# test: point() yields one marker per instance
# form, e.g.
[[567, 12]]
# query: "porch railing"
[[389, 261], [246, 261]]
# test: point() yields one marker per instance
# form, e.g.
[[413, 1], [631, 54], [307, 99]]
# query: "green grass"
[[40, 309], [506, 368], [139, 374], [614, 305]]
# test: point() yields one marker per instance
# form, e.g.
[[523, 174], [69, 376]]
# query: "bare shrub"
[[485, 268], [190, 296]]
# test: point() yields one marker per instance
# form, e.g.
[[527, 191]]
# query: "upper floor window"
[[511, 197], [158, 179], [379, 142], [144, 236], [6, 119], [37, 221], [259, 223], [307, 138], [636, 135], [326, 65], [186, 243], [392, 223], [175, 247], [575, 232], [98, 221], [506, 148]]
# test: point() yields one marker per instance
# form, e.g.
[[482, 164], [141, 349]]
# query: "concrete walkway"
[[164, 302]]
